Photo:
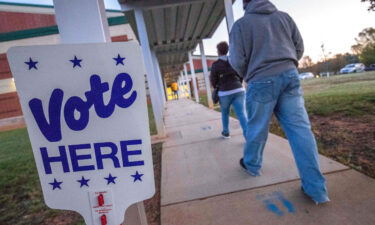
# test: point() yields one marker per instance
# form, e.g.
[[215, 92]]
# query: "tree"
[[372, 4], [333, 64], [365, 46], [306, 62], [367, 36], [357, 49], [368, 55]]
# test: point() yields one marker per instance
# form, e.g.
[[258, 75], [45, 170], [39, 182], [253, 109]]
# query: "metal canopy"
[[175, 27]]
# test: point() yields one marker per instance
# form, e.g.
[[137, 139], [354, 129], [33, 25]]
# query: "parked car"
[[353, 68], [370, 68], [306, 75]]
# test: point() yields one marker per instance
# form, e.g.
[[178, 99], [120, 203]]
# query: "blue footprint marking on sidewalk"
[[273, 208], [271, 200], [206, 128], [287, 203]]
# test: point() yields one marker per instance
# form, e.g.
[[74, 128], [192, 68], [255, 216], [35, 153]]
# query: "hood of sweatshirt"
[[260, 7]]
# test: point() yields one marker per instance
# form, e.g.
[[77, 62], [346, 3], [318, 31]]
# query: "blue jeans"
[[238, 102], [283, 96]]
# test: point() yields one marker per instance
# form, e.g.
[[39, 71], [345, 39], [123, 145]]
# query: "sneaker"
[[242, 164], [316, 202], [225, 135]]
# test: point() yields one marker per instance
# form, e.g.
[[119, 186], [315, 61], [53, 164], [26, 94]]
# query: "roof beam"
[[127, 5], [174, 51], [171, 23], [172, 64], [159, 24], [176, 44]]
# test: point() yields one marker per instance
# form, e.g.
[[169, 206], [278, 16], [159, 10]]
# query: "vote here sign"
[[86, 115]]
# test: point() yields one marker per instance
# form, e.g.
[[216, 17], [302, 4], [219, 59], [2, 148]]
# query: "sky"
[[335, 23]]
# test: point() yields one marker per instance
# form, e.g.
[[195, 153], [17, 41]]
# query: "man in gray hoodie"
[[265, 46]]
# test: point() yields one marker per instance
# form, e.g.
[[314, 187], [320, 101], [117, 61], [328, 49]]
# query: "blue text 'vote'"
[[51, 129]]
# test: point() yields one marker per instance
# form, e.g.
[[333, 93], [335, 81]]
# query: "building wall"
[[199, 70], [15, 21], [9, 105], [198, 63], [4, 67]]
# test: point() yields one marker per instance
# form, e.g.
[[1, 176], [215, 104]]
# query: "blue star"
[[119, 60], [76, 61], [110, 179], [32, 64], [83, 182], [137, 176], [55, 184]]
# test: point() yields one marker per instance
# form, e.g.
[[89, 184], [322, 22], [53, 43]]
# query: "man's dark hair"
[[222, 48], [246, 1]]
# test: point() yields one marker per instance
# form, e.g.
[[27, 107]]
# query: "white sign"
[[86, 114]]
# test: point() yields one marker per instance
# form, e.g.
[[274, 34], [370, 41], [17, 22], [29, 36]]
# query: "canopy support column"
[[187, 80], [179, 88], [229, 14], [165, 89], [193, 77], [151, 76], [81, 21], [205, 74], [158, 78]]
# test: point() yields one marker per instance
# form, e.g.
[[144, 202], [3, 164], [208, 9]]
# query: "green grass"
[[203, 98], [21, 199], [348, 95]]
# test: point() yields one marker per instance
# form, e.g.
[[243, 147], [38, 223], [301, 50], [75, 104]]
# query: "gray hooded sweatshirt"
[[264, 42]]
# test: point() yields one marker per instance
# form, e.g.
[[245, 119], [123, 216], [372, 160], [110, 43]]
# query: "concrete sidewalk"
[[202, 182]]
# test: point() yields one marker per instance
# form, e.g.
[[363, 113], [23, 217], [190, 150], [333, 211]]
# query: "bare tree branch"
[[372, 4]]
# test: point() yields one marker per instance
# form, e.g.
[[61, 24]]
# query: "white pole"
[[187, 80], [85, 21], [229, 14], [185, 84], [179, 86], [179, 92], [135, 215], [205, 74], [151, 77], [81, 21], [182, 86], [165, 89], [192, 71], [158, 78]]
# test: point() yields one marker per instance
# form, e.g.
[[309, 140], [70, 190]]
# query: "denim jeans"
[[282, 95], [238, 102]]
